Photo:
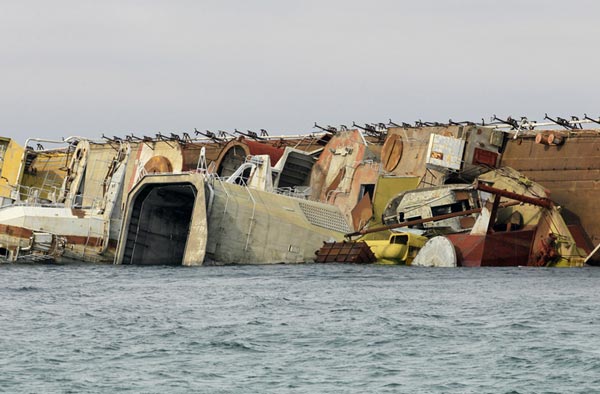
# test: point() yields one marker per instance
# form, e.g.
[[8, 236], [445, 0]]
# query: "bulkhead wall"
[[346, 170], [340, 156], [571, 172]]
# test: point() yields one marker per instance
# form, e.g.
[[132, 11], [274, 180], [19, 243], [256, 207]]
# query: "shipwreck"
[[503, 193]]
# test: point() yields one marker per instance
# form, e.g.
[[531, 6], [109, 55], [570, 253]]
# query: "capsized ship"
[[434, 155], [198, 218], [250, 198], [152, 201]]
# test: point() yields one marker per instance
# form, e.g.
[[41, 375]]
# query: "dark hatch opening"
[[159, 225], [233, 159]]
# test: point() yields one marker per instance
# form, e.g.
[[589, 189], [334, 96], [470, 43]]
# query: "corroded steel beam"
[[540, 202], [414, 222]]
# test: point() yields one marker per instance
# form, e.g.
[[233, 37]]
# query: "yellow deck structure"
[[399, 248], [10, 159]]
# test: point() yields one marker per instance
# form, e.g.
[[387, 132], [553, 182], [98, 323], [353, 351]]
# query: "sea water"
[[298, 329]]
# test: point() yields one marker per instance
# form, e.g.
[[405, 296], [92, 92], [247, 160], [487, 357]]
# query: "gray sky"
[[114, 67]]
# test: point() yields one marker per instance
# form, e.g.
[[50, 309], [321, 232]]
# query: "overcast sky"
[[115, 67]]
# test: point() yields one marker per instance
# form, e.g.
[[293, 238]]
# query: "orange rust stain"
[[158, 164], [362, 212], [15, 231], [81, 240], [80, 213], [336, 182]]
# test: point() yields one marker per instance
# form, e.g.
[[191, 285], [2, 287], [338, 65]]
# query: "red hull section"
[[502, 249]]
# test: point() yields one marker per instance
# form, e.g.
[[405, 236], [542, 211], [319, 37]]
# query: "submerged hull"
[[506, 249], [249, 226], [155, 201], [215, 222], [83, 235]]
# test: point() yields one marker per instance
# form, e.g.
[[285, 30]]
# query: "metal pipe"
[[540, 202], [362, 137], [596, 249], [414, 222]]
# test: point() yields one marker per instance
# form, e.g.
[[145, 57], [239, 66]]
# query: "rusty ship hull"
[[357, 171], [570, 171], [510, 249]]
